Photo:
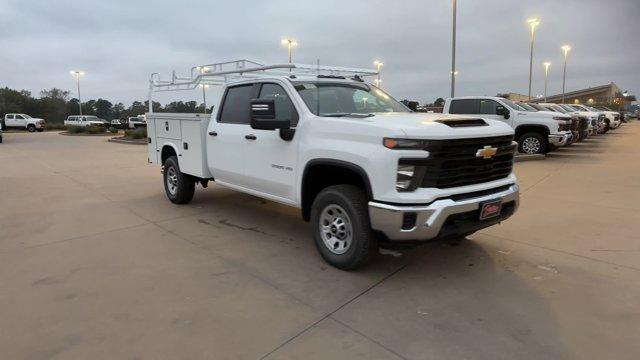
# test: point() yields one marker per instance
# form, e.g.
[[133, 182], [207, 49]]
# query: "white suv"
[[536, 132]]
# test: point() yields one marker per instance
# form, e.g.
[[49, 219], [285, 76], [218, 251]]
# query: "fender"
[[305, 205], [171, 145]]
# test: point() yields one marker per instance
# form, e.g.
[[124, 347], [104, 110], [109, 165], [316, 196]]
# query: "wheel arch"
[[523, 129], [321, 173], [168, 149]]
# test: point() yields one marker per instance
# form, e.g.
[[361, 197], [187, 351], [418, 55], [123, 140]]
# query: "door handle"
[[213, 133], [250, 137]]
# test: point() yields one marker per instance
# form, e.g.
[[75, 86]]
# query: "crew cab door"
[[226, 142], [270, 160], [9, 120]]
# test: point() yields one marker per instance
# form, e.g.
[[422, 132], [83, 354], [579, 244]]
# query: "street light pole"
[[291, 43], [532, 23], [546, 78], [203, 70], [77, 74], [566, 49], [379, 65], [453, 51]]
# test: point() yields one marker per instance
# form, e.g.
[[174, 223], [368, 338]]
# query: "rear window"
[[235, 108], [464, 106]]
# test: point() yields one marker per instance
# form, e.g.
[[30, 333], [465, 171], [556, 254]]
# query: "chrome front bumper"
[[430, 218], [560, 139]]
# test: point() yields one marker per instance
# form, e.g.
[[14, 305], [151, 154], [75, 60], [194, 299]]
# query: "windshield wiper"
[[354, 115]]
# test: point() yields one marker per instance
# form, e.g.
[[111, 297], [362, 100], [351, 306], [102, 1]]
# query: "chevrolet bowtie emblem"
[[486, 152]]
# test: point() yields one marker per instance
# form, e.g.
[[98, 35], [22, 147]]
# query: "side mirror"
[[263, 116], [501, 110]]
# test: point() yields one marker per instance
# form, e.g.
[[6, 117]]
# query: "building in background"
[[609, 95]]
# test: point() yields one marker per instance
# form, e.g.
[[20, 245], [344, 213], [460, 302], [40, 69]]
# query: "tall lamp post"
[[204, 70], [379, 65], [565, 49], [532, 24], [546, 78], [291, 43], [453, 51], [77, 74]]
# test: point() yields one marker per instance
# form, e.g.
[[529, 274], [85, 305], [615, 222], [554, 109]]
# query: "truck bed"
[[186, 134]]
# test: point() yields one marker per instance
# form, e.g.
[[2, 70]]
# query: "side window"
[[9, 117], [235, 108], [19, 117], [285, 110], [464, 106], [488, 106]]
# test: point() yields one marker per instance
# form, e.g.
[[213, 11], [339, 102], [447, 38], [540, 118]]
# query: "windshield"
[[26, 116], [577, 107], [344, 99], [527, 107], [92, 118], [567, 107], [513, 105], [558, 108]]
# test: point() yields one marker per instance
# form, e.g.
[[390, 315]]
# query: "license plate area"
[[490, 209]]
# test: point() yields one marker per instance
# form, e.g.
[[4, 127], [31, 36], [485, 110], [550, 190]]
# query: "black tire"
[[353, 201], [31, 128], [185, 185], [535, 138]]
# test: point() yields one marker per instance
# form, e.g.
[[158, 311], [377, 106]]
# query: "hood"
[[554, 114], [439, 126]]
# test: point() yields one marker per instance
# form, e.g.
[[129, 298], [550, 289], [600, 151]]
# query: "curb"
[[129, 142], [526, 157], [84, 134]]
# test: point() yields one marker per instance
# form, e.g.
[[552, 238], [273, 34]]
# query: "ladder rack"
[[224, 72]]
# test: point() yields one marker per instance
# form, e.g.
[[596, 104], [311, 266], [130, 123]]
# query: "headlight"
[[400, 144], [405, 176]]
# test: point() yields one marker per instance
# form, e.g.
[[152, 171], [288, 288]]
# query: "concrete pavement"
[[96, 263]]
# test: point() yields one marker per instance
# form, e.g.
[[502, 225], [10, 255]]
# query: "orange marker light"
[[390, 143]]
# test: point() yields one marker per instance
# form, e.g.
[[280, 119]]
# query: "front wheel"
[[532, 143], [341, 228], [31, 128], [179, 187]]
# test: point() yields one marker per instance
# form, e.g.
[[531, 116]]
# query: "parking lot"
[[95, 262]]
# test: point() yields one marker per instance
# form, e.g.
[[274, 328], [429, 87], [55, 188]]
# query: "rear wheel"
[[341, 227], [31, 128], [179, 187], [532, 143]]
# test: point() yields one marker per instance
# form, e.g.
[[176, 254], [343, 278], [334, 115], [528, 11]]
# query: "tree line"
[[55, 105]]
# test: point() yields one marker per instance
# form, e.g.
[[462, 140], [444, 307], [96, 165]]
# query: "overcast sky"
[[119, 43]]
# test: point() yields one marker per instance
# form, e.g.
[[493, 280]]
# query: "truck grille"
[[453, 163]]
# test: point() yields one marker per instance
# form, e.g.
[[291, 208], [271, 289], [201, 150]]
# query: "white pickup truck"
[[364, 169], [24, 122], [536, 132], [83, 121]]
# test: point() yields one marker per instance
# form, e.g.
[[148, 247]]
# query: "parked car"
[[83, 120], [24, 122], [602, 122], [118, 123], [566, 122], [536, 133], [614, 117], [595, 122], [136, 122], [363, 168], [580, 124]]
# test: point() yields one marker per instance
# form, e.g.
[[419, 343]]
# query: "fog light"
[[405, 176]]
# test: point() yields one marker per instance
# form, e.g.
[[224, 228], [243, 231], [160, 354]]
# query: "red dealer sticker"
[[490, 209]]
